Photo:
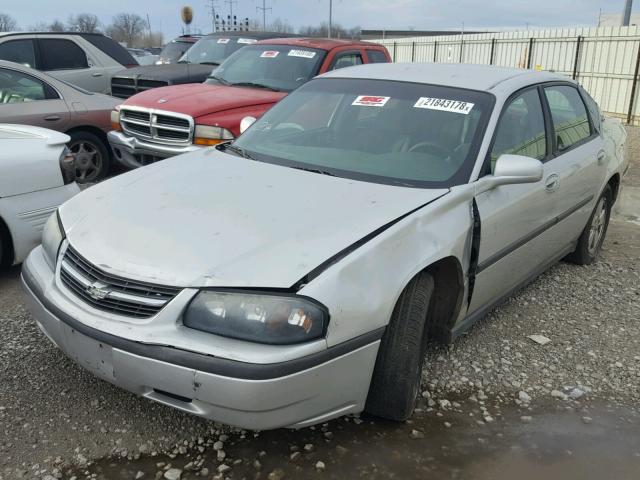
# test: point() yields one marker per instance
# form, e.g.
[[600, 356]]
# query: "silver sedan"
[[296, 274]]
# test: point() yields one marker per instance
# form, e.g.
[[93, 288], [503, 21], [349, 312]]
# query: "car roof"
[[256, 35], [461, 75], [82, 34], [320, 43]]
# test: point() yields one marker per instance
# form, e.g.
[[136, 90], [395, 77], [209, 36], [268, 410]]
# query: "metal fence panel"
[[604, 60]]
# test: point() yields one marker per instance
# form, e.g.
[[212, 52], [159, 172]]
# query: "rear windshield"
[[213, 51], [390, 132], [173, 50], [111, 48], [275, 67]]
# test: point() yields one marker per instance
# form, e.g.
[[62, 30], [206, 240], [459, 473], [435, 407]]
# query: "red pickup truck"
[[168, 121]]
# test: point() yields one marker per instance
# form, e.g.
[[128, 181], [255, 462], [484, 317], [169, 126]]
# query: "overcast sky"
[[389, 14]]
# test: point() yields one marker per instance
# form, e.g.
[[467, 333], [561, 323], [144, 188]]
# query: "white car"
[[36, 176], [297, 273]]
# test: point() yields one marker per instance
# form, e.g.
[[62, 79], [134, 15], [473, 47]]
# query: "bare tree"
[[337, 31], [127, 27], [56, 26], [84, 22], [151, 39], [281, 26], [7, 23]]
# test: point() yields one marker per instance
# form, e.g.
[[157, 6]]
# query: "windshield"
[[276, 67], [214, 50], [172, 51], [380, 131]]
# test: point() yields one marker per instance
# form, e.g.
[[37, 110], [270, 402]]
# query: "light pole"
[[264, 9], [331, 15], [626, 17]]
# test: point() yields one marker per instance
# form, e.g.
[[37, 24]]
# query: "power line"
[[264, 9]]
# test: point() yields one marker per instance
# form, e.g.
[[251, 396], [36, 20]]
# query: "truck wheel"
[[92, 156], [592, 237], [396, 377]]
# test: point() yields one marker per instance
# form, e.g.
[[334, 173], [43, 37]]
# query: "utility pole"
[[212, 11], [331, 15], [626, 17], [264, 9], [231, 22]]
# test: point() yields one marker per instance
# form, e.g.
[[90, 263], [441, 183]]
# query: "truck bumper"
[[293, 399], [133, 153]]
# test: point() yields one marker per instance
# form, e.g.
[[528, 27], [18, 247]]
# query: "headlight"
[[52, 237], [257, 317], [115, 119], [207, 135]]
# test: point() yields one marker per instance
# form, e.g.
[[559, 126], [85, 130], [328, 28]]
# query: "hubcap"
[[598, 225], [88, 161]]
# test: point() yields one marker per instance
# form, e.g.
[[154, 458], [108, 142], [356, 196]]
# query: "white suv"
[[87, 60]]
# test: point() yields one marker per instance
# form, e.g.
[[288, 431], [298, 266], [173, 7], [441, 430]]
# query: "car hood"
[[213, 219], [200, 99], [176, 73]]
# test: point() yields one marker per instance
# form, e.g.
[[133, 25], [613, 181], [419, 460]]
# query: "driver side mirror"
[[246, 122], [511, 170]]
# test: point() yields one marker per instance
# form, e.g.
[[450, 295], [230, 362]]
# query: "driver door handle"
[[96, 74], [52, 118], [552, 183], [602, 156]]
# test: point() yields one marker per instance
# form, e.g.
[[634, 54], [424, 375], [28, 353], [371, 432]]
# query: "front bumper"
[[296, 393], [133, 153]]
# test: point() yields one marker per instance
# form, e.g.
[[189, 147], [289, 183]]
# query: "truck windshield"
[[275, 67], [213, 50], [380, 131], [172, 51]]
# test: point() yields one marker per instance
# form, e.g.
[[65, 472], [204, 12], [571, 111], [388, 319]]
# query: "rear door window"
[[19, 51], [569, 114], [348, 59], [111, 48], [376, 56], [61, 54]]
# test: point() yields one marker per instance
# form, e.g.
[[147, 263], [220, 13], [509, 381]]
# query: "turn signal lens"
[[115, 120], [207, 135]]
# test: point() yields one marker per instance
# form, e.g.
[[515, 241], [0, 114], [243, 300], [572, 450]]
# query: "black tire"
[[588, 247], [396, 378], [92, 156]]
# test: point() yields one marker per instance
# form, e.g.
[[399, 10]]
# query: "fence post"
[[394, 52], [633, 88], [530, 55], [577, 59], [435, 51], [493, 48], [461, 48], [413, 51]]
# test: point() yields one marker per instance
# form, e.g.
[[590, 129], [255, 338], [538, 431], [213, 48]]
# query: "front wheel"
[[91, 156], [593, 235], [396, 378]]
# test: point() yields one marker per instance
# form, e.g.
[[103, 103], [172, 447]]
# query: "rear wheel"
[[396, 378], [92, 156], [593, 235]]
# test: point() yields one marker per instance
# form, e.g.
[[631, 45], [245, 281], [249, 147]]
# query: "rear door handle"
[[96, 74], [52, 118], [602, 156], [552, 182]]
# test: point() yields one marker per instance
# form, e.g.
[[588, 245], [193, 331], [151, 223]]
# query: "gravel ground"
[[57, 421]]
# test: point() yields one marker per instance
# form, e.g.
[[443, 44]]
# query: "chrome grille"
[[157, 125], [111, 293], [125, 87]]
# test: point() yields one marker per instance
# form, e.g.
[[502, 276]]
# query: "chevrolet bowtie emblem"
[[98, 291]]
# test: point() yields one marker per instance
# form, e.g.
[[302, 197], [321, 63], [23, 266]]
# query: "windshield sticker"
[[247, 40], [223, 40], [269, 54], [301, 53], [456, 106], [370, 101]]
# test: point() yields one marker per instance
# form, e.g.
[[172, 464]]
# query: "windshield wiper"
[[209, 63], [315, 170], [183, 61], [255, 85], [238, 151]]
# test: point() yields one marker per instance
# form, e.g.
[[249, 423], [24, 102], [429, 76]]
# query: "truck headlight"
[[276, 319], [115, 119], [207, 135], [52, 237]]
